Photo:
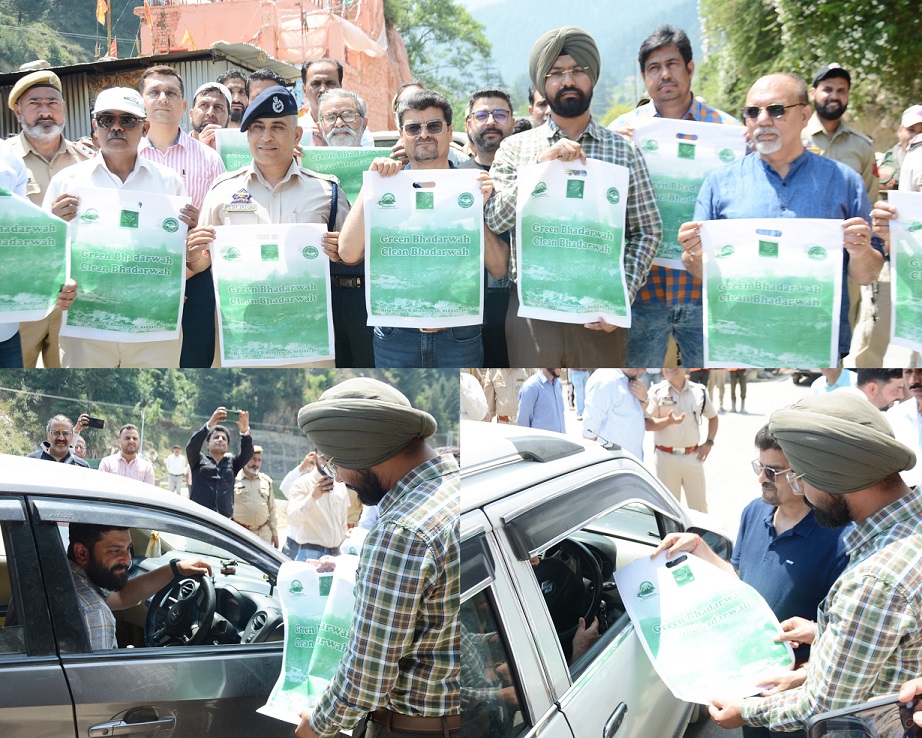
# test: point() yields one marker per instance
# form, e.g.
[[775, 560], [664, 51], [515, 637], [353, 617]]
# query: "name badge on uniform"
[[241, 202]]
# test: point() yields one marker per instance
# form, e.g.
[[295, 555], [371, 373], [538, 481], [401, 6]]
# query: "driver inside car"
[[100, 558], [585, 635]]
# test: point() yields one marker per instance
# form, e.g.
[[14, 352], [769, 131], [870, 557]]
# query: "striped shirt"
[[197, 164], [137, 468], [403, 652], [643, 226], [869, 626], [673, 286], [98, 618]]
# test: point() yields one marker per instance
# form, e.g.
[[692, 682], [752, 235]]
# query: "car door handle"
[[120, 727], [614, 721]]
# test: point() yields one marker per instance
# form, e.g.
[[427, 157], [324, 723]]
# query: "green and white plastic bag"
[[906, 270], [348, 164], [679, 154], [317, 609], [128, 255], [233, 148], [424, 248], [707, 633], [272, 285], [33, 259], [772, 292], [570, 242]]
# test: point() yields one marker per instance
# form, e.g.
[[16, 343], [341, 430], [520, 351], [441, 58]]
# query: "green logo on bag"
[[387, 201], [295, 587], [768, 249], [914, 226], [575, 188], [465, 199], [309, 252], [269, 251], [230, 254], [817, 253], [540, 190], [646, 589], [425, 201], [613, 195], [326, 584], [726, 251], [130, 219], [683, 575], [686, 151], [90, 216], [170, 225], [726, 156], [651, 145]]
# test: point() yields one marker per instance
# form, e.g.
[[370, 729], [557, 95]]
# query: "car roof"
[[522, 457]]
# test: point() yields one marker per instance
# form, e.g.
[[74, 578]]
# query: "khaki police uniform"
[[501, 388], [41, 336], [254, 505], [244, 197], [676, 447]]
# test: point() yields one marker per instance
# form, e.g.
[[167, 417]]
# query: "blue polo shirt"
[[815, 187], [793, 571]]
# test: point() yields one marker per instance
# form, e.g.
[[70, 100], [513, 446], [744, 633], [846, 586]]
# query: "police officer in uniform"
[[273, 188], [254, 502]]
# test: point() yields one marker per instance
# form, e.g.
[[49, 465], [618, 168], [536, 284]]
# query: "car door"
[[34, 700], [617, 512], [175, 691]]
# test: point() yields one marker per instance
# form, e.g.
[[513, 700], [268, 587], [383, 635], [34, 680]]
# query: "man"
[[317, 77], [59, 430], [254, 500], [402, 662], [890, 162], [906, 421], [781, 551], [210, 112], [678, 406], [119, 123], [100, 558], [501, 387], [38, 105], [833, 379], [176, 467], [780, 179], [13, 177], [564, 66], [883, 388], [425, 122], [213, 473], [489, 121], [614, 410], [541, 402], [79, 448], [669, 303], [261, 80], [236, 82], [127, 463], [537, 106], [317, 510], [199, 165], [272, 189], [354, 337], [866, 642]]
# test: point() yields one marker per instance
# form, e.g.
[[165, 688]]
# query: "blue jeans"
[[579, 377], [651, 325], [410, 347], [11, 352], [304, 551]]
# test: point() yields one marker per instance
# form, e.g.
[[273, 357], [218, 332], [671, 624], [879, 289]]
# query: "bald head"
[[777, 139]]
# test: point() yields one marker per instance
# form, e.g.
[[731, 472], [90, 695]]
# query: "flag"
[[102, 7], [113, 49], [187, 41], [147, 15]]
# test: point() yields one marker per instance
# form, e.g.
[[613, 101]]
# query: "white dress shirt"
[[612, 413], [906, 421], [321, 522]]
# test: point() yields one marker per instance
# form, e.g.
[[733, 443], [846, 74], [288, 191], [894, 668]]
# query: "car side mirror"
[[718, 543]]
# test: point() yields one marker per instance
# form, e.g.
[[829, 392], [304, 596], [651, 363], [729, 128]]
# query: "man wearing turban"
[[867, 639], [402, 663], [564, 66]]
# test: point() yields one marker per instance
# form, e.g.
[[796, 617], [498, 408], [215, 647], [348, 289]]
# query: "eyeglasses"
[[770, 472], [794, 480], [775, 110], [327, 467], [558, 74], [60, 433], [500, 116], [433, 128], [106, 120], [348, 116]]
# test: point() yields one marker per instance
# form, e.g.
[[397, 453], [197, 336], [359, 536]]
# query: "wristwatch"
[[173, 563], [709, 442]]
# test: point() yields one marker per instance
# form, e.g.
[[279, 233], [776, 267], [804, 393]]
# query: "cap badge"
[[277, 105]]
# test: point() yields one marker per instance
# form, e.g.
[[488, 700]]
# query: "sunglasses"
[[105, 120], [433, 128], [770, 472], [500, 116], [348, 117], [775, 110]]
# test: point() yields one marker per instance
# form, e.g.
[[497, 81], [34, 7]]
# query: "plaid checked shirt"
[[674, 286], [97, 617], [869, 626], [403, 652], [643, 226]]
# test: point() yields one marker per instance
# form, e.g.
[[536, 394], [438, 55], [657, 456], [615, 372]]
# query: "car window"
[[13, 632]]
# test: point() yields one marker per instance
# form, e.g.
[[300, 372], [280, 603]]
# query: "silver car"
[[546, 520], [195, 660]]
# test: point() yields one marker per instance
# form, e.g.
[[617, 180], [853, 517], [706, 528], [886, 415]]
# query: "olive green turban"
[[840, 442], [361, 422], [570, 40]]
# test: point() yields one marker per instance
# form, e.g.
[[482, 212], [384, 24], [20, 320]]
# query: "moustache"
[[116, 134], [916, 386], [491, 129]]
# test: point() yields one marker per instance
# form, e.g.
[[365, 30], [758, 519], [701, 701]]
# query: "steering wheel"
[[565, 592], [181, 613]]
